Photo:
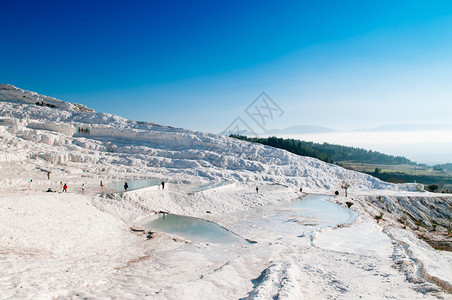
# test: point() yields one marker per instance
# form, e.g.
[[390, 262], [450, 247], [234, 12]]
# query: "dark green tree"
[[432, 188]]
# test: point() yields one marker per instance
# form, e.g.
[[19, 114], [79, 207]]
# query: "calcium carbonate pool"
[[134, 184], [194, 229], [302, 217], [298, 217], [318, 210]]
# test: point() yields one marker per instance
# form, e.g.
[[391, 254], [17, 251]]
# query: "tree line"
[[443, 167], [329, 153]]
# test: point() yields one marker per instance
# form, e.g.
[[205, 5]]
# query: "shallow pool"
[[299, 217], [194, 229], [302, 216], [318, 210], [134, 184]]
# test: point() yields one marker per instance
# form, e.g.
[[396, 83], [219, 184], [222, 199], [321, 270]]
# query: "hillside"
[[72, 134], [329, 152], [389, 168], [95, 242]]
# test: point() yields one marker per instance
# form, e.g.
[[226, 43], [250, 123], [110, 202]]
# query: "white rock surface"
[[79, 244]]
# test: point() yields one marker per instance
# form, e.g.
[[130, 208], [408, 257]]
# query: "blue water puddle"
[[302, 217], [134, 184], [319, 210], [298, 217], [194, 229]]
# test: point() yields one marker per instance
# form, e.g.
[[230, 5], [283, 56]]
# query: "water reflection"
[[303, 216], [194, 229], [134, 184]]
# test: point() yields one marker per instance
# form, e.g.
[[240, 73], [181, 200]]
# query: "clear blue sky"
[[198, 64]]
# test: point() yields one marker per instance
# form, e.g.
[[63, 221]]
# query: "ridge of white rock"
[[72, 133], [79, 244]]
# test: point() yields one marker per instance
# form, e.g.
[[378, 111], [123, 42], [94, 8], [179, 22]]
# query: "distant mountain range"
[[298, 129], [308, 129], [301, 129], [409, 127]]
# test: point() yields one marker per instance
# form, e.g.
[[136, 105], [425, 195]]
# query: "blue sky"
[[199, 64]]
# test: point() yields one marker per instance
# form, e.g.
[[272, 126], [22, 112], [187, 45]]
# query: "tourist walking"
[[126, 186], [65, 188]]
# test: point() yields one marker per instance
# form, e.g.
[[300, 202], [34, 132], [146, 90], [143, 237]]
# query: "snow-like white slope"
[[11, 93], [68, 133], [79, 245]]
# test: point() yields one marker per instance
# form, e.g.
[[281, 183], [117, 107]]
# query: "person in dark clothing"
[[257, 189], [163, 185], [126, 186]]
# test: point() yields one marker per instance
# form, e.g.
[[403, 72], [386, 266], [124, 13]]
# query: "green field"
[[404, 173], [396, 169]]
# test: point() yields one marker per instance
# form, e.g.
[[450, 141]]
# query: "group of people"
[[63, 187]]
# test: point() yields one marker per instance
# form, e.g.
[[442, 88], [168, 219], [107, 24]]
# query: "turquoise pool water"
[[194, 229], [303, 216], [321, 211], [134, 184], [298, 217]]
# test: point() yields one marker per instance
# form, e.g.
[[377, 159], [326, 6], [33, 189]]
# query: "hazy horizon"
[[427, 146], [422, 143], [418, 146]]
